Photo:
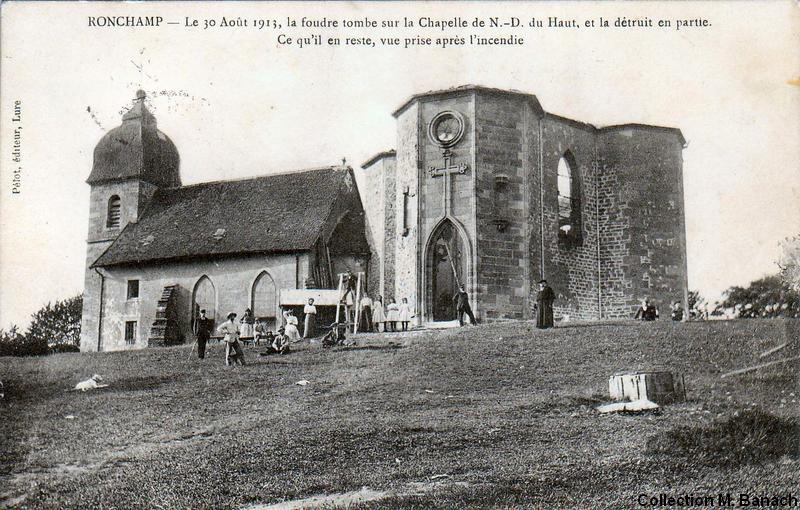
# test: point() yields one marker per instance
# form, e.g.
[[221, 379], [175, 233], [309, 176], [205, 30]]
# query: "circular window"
[[446, 128]]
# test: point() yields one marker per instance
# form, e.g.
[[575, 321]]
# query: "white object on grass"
[[627, 407], [91, 383], [302, 383]]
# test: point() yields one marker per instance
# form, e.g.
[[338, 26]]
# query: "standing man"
[[366, 314], [310, 324], [461, 299], [202, 330], [233, 351], [544, 305], [350, 282]]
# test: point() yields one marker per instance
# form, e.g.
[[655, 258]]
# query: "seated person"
[[278, 344], [262, 332]]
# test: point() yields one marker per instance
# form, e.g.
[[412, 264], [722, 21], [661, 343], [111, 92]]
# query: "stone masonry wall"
[[371, 188], [570, 267], [643, 236], [406, 177], [431, 194], [504, 158], [134, 196], [390, 228]]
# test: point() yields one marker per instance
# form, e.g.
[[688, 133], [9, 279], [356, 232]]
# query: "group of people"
[[649, 312], [374, 314], [247, 327]]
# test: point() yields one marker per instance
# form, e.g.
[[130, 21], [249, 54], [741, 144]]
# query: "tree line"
[[54, 328]]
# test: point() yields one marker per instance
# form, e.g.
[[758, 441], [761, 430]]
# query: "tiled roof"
[[270, 214]]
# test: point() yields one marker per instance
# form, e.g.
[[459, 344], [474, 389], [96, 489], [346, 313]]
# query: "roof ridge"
[[262, 176]]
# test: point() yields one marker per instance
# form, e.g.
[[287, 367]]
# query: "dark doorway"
[[445, 269]]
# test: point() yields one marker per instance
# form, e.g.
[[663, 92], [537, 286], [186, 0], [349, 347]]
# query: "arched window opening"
[[204, 297], [114, 212], [264, 299], [569, 201]]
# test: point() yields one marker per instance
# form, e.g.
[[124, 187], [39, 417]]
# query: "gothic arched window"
[[204, 297], [114, 212], [569, 200]]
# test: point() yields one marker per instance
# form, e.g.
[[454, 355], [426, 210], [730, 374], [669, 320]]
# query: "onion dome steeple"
[[136, 150]]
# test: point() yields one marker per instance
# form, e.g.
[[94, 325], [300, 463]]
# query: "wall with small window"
[[220, 287], [569, 216]]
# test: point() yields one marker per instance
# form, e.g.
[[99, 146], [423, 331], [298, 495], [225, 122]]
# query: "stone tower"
[[488, 190], [131, 162]]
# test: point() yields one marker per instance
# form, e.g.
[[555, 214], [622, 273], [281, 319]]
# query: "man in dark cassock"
[[203, 326], [544, 305], [461, 299]]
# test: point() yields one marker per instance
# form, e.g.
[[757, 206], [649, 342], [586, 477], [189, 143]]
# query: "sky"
[[237, 103]]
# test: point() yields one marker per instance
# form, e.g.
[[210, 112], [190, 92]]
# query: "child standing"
[[377, 313], [404, 314], [392, 316]]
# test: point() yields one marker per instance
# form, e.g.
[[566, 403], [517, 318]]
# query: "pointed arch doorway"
[[445, 268]]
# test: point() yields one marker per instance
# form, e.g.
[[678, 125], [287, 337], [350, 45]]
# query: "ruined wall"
[[390, 228], [643, 241], [405, 243], [372, 188], [506, 143], [570, 262], [134, 196], [233, 281]]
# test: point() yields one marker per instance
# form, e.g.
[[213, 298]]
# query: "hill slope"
[[505, 411]]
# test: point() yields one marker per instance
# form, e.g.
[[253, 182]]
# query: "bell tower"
[[131, 162]]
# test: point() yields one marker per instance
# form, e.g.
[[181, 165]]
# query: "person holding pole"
[[461, 299], [202, 330]]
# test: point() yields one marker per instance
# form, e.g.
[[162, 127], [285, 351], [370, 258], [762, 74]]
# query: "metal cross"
[[447, 170]]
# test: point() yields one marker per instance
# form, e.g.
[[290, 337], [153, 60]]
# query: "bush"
[[54, 328], [14, 343], [58, 324], [768, 297]]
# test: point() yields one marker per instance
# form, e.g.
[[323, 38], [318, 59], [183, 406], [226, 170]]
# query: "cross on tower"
[[446, 171]]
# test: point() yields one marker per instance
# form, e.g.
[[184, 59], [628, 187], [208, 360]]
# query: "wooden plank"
[[756, 367]]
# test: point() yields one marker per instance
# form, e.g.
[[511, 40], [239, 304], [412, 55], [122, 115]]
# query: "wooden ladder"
[[356, 302]]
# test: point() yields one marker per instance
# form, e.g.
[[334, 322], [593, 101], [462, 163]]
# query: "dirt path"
[[345, 499]]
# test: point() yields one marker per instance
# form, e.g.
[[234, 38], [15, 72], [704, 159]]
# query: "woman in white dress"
[[404, 313], [310, 312], [392, 316], [247, 329], [377, 313], [291, 330]]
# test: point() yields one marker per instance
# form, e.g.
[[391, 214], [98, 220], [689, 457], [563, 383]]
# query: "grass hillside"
[[494, 416]]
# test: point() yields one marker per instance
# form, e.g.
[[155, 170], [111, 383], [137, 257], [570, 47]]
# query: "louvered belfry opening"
[[114, 212]]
